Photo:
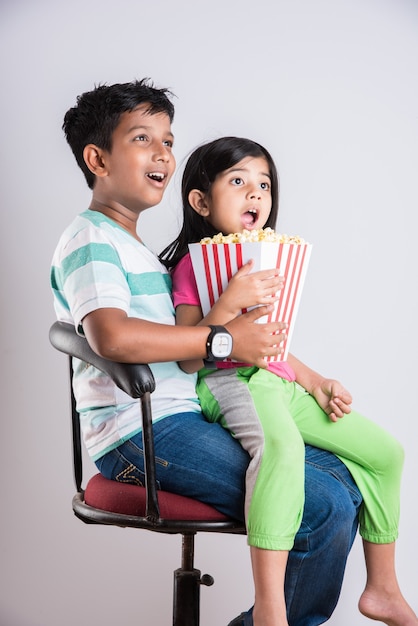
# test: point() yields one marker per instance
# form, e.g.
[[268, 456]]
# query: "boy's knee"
[[339, 505], [331, 508]]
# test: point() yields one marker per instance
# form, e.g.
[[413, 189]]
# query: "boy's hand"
[[247, 289], [332, 398], [252, 341]]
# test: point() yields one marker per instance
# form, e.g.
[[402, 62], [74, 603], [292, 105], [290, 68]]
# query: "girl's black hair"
[[202, 168]]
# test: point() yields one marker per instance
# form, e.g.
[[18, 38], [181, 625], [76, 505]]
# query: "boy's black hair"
[[201, 170], [97, 114]]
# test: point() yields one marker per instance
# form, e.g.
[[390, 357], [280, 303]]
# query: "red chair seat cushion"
[[127, 499]]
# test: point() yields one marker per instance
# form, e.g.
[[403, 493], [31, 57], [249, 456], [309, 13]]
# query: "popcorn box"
[[215, 263]]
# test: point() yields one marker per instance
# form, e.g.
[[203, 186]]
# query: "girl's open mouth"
[[249, 218]]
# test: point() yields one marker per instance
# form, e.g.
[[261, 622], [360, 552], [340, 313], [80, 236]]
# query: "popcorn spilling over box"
[[215, 260]]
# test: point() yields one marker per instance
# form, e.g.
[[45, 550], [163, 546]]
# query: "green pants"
[[273, 419]]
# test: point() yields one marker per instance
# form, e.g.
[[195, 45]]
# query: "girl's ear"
[[197, 200], [93, 157]]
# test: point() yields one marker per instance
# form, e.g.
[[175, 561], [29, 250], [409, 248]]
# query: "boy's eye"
[[169, 143], [140, 138]]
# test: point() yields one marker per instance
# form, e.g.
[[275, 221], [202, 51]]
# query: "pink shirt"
[[185, 292]]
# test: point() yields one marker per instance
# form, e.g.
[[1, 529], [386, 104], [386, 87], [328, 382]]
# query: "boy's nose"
[[163, 154]]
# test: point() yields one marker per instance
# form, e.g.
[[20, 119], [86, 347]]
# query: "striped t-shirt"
[[97, 264]]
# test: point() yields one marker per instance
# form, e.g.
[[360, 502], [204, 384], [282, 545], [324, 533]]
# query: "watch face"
[[221, 345]]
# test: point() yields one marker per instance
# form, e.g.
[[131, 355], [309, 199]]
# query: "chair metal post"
[[187, 581], [76, 433], [186, 600], [152, 508]]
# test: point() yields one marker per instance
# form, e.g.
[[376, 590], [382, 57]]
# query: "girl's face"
[[240, 197]]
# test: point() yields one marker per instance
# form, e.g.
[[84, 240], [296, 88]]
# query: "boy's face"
[[140, 164]]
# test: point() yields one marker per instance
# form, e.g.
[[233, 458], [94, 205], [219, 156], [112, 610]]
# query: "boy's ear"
[[93, 157], [197, 200]]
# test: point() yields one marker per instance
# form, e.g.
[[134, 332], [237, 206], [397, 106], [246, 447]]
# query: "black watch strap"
[[211, 359]]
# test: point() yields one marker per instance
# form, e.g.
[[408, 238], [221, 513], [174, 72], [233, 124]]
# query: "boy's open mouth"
[[157, 176], [249, 218]]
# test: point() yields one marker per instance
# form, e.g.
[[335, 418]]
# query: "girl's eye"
[[265, 186], [237, 181]]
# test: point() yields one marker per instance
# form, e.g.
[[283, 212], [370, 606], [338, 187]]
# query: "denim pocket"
[[131, 474], [115, 466]]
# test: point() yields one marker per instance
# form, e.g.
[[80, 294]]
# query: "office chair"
[[108, 502]]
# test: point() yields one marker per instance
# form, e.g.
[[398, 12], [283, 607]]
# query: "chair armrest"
[[135, 379]]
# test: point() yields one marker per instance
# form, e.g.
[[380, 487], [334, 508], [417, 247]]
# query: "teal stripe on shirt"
[[87, 254], [145, 283], [149, 283]]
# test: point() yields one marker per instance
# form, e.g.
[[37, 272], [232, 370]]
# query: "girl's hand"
[[246, 289], [332, 398]]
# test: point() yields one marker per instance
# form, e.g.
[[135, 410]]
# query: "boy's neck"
[[124, 218]]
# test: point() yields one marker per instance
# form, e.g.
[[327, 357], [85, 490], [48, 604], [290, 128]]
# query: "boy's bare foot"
[[390, 608]]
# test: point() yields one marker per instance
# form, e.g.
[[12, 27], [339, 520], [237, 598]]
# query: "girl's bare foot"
[[391, 608]]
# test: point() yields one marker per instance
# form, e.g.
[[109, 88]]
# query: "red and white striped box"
[[215, 264]]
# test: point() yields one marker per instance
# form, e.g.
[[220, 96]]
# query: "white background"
[[330, 88]]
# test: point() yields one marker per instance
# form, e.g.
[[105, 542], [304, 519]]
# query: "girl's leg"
[[372, 455], [269, 567], [382, 598], [251, 404], [375, 460]]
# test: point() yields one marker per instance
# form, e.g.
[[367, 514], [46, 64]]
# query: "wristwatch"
[[218, 345]]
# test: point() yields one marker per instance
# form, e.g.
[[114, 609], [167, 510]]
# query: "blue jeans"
[[203, 461]]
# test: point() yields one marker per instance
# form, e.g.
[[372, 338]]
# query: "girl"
[[228, 185]]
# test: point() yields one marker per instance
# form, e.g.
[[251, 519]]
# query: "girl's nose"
[[254, 192]]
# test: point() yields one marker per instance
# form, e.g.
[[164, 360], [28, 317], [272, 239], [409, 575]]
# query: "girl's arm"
[[329, 394]]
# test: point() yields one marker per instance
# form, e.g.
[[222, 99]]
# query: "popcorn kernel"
[[256, 235]]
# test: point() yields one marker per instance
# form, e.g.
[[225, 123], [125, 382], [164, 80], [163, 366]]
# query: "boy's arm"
[[329, 394], [191, 315], [245, 289], [115, 336]]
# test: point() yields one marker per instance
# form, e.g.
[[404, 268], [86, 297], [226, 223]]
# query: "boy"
[[115, 291]]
